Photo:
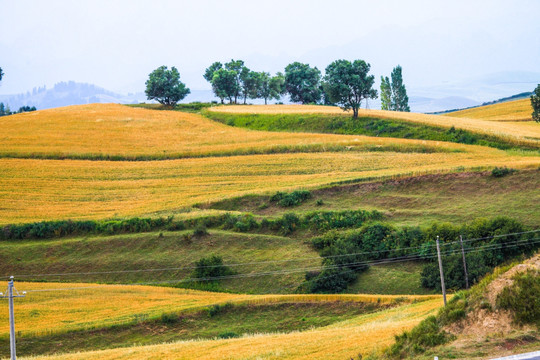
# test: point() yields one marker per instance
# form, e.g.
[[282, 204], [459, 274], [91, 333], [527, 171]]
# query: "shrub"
[[169, 318], [218, 309], [522, 298], [502, 171], [200, 230], [228, 335], [294, 198], [426, 334], [210, 269], [319, 202]]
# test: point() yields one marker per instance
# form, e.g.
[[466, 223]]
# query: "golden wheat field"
[[60, 307], [103, 131], [364, 334], [525, 133], [49, 189], [35, 190], [517, 110]]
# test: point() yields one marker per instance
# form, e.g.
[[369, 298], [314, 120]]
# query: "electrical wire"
[[410, 257], [261, 262]]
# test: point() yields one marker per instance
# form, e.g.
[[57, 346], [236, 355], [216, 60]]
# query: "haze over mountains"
[[450, 95]]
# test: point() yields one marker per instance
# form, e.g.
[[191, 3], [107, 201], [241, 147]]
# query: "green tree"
[[248, 83], [386, 93], [1, 74], [165, 86], [237, 66], [535, 102], [400, 100], [270, 87], [209, 76], [225, 85], [303, 83], [347, 84]]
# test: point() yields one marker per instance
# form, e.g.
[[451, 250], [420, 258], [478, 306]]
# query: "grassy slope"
[[362, 334], [514, 132], [345, 124], [401, 278], [421, 200], [234, 320], [150, 251], [517, 110]]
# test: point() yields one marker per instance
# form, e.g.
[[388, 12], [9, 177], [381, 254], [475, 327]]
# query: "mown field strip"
[[526, 133], [90, 306], [35, 190], [117, 132], [517, 110], [360, 335]]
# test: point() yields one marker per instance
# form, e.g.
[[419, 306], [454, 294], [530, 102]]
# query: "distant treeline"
[[5, 110]]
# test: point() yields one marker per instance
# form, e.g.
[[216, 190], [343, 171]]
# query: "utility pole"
[[441, 271], [10, 297], [464, 262]]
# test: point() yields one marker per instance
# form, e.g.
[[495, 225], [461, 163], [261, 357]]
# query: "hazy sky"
[[117, 43]]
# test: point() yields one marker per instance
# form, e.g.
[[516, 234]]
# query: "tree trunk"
[[265, 103]]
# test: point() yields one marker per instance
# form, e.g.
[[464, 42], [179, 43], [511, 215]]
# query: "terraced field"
[[340, 339], [111, 161], [35, 189]]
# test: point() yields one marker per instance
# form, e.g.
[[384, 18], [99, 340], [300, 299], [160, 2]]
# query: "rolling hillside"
[[120, 291], [209, 161]]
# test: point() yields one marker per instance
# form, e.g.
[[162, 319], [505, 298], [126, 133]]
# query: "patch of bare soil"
[[482, 323]]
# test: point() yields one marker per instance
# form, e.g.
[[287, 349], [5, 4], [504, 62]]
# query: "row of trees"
[[234, 81], [345, 83], [5, 110]]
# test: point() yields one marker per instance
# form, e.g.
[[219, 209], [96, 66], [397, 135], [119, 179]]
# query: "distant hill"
[[68, 93]]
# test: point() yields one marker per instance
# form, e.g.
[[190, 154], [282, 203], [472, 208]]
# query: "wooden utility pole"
[[464, 262], [441, 271]]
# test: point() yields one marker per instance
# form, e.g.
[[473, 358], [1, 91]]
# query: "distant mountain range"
[[68, 93]]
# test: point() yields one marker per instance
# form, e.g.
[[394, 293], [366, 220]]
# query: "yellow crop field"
[[35, 190], [525, 133], [517, 110], [59, 307], [361, 335], [103, 131]]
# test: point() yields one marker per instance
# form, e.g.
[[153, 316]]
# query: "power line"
[[265, 262], [410, 257]]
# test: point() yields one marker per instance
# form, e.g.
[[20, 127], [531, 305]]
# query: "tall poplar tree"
[[386, 93], [400, 100]]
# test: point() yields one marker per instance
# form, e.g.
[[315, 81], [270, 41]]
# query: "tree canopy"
[[535, 102], [303, 83], [347, 84], [164, 86]]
